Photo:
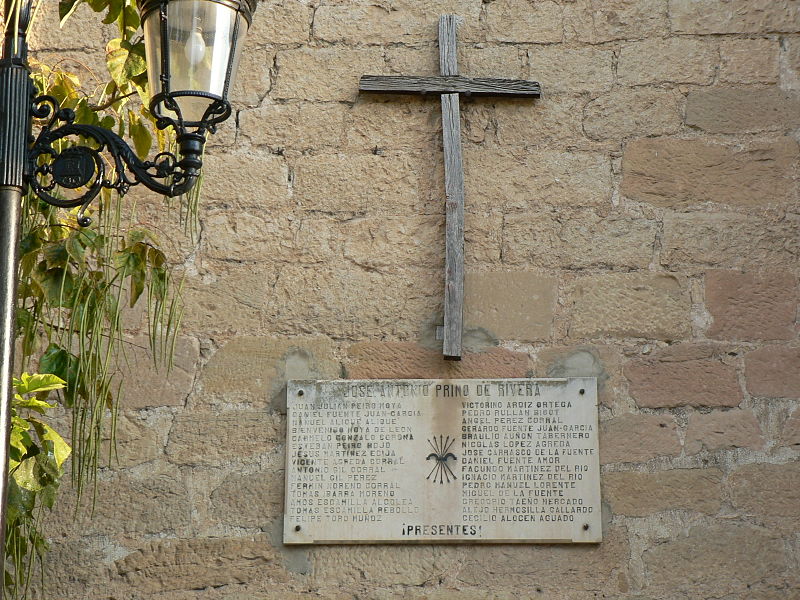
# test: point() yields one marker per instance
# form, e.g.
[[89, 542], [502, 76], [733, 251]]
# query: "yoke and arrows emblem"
[[441, 454]]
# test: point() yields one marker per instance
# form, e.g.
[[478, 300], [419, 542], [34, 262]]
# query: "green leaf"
[[38, 382], [56, 255], [129, 21], [140, 134], [124, 62], [58, 285], [58, 361], [66, 8], [61, 450], [75, 248], [84, 113], [27, 475], [114, 10]]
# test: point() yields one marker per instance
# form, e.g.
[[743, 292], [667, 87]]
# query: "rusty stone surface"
[[635, 438], [736, 16], [723, 430], [683, 375], [770, 493], [679, 174], [656, 306], [773, 371], [722, 558], [752, 306], [641, 494], [734, 110], [522, 310]]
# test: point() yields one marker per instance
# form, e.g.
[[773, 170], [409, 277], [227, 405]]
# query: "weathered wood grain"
[[448, 46], [454, 227], [402, 84]]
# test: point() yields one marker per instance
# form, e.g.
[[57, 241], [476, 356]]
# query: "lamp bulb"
[[195, 48]]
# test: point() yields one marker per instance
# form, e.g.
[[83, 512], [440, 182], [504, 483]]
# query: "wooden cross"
[[450, 86]]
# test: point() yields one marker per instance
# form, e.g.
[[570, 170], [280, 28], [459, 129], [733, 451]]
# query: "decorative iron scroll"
[[85, 165]]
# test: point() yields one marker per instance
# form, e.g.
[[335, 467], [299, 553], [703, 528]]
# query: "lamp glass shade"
[[204, 39]]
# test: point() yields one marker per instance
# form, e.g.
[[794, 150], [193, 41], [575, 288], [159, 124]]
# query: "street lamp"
[[193, 49]]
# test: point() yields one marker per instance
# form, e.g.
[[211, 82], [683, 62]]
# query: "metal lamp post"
[[193, 49]]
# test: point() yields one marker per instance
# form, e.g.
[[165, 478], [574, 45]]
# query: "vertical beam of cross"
[[454, 195], [450, 85]]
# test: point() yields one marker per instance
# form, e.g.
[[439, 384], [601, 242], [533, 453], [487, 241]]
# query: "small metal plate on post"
[[457, 460]]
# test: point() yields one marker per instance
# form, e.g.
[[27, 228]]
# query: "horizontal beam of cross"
[[401, 84]]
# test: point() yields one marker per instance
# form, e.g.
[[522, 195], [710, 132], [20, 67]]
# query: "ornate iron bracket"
[[89, 158]]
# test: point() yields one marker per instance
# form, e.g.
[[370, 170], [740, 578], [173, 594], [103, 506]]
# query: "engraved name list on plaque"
[[456, 460]]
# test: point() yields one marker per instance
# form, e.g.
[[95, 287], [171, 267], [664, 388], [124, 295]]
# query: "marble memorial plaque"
[[456, 460]]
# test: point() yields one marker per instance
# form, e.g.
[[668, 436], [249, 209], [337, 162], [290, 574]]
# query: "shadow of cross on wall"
[[449, 85]]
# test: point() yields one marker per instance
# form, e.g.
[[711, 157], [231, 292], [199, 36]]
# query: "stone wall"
[[639, 223]]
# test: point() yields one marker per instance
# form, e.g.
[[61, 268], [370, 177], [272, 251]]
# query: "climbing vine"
[[74, 284]]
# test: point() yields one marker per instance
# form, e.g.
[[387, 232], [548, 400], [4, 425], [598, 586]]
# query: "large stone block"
[[518, 179], [564, 70], [384, 566], [483, 239], [145, 385], [204, 438], [683, 375], [246, 180], [578, 239], [749, 61], [770, 493], [640, 494], [242, 292], [280, 22], [296, 126], [404, 360], [742, 110], [752, 306], [250, 500], [327, 74], [404, 21], [253, 78], [522, 22], [381, 123], [734, 16], [636, 112], [591, 568], [670, 60], [727, 559], [773, 371], [76, 569], [156, 503], [726, 240], [516, 305], [256, 369], [628, 305], [679, 174], [166, 565], [598, 21], [242, 236], [386, 243], [552, 121], [377, 183], [483, 60], [634, 438], [723, 430], [140, 437], [353, 303]]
